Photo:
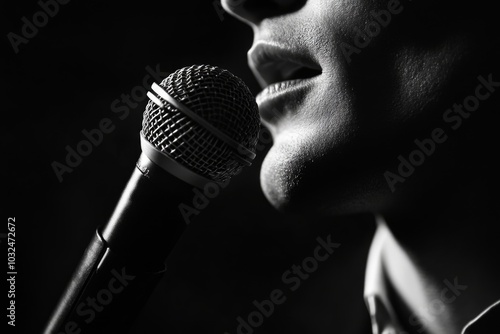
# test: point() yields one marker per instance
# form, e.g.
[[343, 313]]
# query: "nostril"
[[255, 11]]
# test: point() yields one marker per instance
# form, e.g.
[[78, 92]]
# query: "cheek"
[[399, 69], [308, 149], [423, 77], [333, 149], [330, 154]]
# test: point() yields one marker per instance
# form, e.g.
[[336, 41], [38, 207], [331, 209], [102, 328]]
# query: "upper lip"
[[272, 63]]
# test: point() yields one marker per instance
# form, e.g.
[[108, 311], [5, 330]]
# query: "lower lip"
[[274, 96]]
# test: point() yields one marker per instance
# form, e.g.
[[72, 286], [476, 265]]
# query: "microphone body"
[[125, 259], [200, 128]]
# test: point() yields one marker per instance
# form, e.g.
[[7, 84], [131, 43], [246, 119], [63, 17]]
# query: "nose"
[[254, 11]]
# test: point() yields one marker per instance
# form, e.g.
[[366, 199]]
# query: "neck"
[[448, 234]]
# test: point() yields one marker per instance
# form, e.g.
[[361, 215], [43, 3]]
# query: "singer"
[[390, 107]]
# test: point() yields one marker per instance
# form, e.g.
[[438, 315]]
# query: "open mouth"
[[277, 68], [280, 70], [271, 64]]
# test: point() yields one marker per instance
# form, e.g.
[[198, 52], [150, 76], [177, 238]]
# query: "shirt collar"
[[382, 314]]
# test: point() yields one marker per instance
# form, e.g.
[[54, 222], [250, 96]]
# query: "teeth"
[[277, 87], [281, 85]]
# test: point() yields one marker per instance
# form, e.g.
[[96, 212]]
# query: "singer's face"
[[348, 86]]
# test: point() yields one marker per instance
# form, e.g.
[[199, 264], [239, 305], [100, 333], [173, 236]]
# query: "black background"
[[64, 81]]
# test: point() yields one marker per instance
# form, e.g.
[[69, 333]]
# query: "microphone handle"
[[124, 260]]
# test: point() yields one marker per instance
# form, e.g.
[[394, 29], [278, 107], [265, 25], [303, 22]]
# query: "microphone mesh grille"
[[220, 98]]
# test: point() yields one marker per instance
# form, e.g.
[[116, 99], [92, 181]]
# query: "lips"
[[281, 72]]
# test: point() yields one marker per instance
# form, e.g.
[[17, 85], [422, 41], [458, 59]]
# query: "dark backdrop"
[[64, 80]]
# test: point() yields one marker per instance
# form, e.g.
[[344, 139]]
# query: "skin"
[[335, 140]]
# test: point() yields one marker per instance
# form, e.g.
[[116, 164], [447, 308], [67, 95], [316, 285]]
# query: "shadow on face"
[[387, 72]]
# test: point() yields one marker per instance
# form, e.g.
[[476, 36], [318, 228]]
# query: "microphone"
[[200, 127]]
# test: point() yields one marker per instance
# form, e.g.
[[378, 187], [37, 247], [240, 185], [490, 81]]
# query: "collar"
[[486, 322], [383, 316]]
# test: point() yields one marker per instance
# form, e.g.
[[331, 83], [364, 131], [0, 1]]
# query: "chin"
[[298, 182]]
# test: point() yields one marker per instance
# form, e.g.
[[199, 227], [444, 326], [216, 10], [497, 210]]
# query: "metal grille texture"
[[220, 98]]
